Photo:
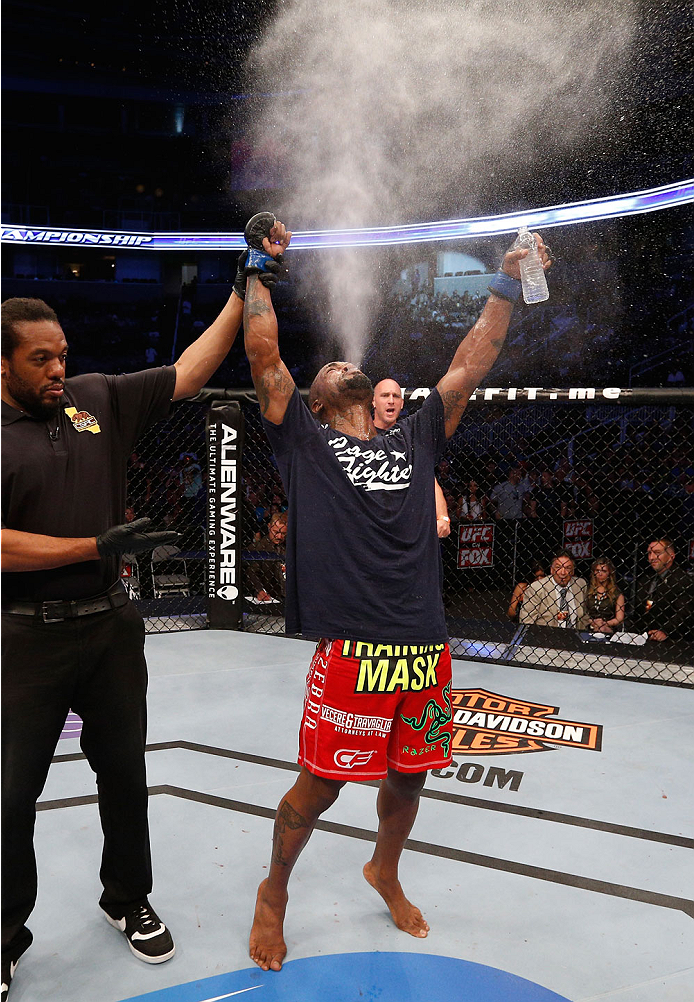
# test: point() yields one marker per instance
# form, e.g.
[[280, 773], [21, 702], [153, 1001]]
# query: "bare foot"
[[267, 947], [405, 915]]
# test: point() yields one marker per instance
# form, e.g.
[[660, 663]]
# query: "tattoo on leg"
[[287, 820]]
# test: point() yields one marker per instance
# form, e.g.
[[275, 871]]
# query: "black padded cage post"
[[224, 429]]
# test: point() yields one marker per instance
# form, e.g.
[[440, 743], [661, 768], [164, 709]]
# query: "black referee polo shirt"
[[67, 477]]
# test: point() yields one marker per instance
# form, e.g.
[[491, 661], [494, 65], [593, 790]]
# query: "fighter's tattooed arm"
[[273, 382], [255, 305], [271, 378], [479, 350], [474, 358], [454, 403]]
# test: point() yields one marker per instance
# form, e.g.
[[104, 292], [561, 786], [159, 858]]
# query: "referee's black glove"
[[132, 538], [274, 270]]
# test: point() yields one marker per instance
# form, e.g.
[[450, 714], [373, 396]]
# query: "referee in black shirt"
[[70, 636]]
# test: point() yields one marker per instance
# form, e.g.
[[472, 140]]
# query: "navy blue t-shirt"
[[363, 559]]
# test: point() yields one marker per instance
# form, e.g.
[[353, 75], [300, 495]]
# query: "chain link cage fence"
[[167, 478], [597, 476]]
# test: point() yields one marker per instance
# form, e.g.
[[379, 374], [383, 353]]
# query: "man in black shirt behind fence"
[[665, 599]]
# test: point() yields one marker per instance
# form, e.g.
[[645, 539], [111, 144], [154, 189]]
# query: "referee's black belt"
[[56, 612]]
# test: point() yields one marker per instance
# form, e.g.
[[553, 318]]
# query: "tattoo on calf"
[[287, 820]]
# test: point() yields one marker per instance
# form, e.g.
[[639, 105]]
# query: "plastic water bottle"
[[532, 273]]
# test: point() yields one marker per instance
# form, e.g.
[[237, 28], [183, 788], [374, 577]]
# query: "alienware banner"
[[224, 427]]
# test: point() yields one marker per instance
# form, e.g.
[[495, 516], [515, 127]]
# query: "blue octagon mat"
[[362, 977]]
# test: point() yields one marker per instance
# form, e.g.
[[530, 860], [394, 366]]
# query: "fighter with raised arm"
[[364, 580]]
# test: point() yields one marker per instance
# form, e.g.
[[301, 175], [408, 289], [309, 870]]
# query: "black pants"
[[94, 665]]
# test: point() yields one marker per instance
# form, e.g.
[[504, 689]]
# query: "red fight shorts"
[[369, 707]]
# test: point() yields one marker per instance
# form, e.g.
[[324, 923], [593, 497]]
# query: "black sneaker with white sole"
[[147, 936]]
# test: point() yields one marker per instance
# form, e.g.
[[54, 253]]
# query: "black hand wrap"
[[132, 537]]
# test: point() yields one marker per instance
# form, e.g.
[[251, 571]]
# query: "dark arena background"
[[137, 140]]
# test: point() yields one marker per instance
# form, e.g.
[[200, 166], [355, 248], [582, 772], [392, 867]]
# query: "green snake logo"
[[438, 716]]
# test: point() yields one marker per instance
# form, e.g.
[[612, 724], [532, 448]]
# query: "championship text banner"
[[224, 428], [475, 546]]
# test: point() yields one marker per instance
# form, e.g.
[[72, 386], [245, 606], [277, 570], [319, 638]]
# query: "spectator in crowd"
[[529, 483], [278, 502], [264, 562], [604, 600], [488, 476], [190, 475], [664, 599], [585, 501], [191, 499], [507, 497], [173, 494], [686, 496], [471, 506], [536, 572], [139, 482], [387, 403], [546, 503], [254, 496], [564, 491], [446, 476], [557, 600]]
